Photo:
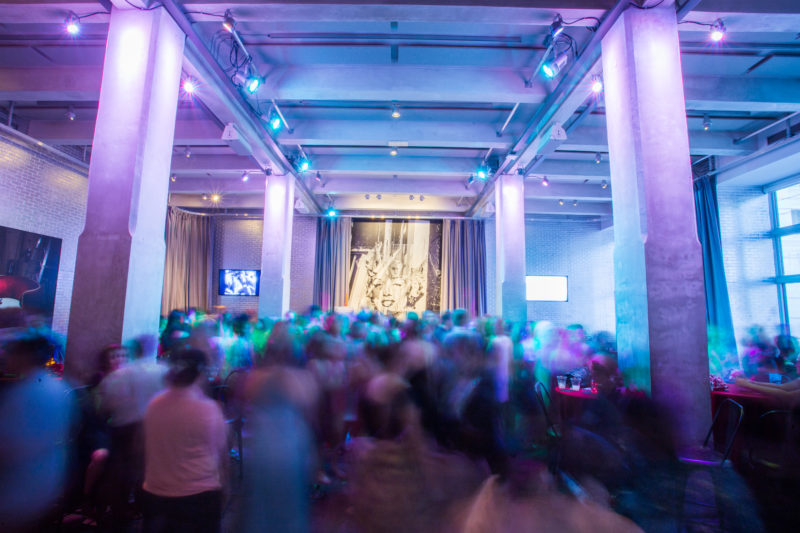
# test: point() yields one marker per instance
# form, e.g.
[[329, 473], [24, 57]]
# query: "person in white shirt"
[[185, 452], [123, 396]]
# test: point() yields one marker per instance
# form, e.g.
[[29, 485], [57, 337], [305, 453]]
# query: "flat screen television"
[[237, 282]]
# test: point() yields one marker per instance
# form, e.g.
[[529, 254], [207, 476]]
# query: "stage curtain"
[[718, 307], [464, 266], [187, 270], [332, 262]]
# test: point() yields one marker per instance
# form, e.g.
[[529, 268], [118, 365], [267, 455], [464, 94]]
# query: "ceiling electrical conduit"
[[197, 48]]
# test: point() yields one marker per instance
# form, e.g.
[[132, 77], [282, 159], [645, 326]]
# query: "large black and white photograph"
[[29, 271], [395, 266]]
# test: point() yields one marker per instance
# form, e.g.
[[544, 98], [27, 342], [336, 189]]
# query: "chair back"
[[779, 439], [543, 396], [729, 413]]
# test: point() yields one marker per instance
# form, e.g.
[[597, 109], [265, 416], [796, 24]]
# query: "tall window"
[[785, 218]]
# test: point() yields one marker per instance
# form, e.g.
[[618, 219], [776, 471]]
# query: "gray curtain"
[[187, 270], [331, 266], [718, 307], [464, 266]]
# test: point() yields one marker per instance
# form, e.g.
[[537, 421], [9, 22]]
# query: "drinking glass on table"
[[576, 384], [562, 382]]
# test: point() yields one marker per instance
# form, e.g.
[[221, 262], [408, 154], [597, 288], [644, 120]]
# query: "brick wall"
[[304, 246], [748, 257], [43, 193], [237, 244], [582, 252]]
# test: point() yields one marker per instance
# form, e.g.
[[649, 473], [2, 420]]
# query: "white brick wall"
[[582, 252], [237, 244], [304, 246], [748, 257], [41, 194]]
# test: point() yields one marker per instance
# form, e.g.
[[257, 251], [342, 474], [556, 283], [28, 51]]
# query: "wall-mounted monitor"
[[237, 282], [546, 288]]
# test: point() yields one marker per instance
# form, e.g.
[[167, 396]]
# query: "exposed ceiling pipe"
[[196, 49], [765, 128], [508, 119]]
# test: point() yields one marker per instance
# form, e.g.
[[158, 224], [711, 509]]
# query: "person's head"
[[460, 318], [143, 346], [111, 358], [186, 366], [25, 352], [241, 325]]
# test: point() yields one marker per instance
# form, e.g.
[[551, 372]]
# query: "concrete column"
[[276, 246], [658, 265], [120, 266], [509, 215]]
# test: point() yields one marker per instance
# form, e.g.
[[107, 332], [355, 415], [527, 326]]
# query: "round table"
[[570, 402]]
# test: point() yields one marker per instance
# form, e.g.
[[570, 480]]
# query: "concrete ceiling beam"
[[81, 132], [552, 207]]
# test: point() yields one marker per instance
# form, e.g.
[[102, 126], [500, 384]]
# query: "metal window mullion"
[[777, 252]]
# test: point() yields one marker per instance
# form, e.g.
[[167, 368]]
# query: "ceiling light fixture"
[[366, 196], [72, 24], [545, 182], [275, 123], [379, 196], [597, 84], [482, 173], [718, 31], [421, 197], [557, 26], [189, 86], [553, 67], [187, 153], [172, 178], [304, 165], [574, 203], [561, 202], [604, 184], [317, 177], [245, 176], [395, 111], [393, 152], [706, 122], [71, 116], [216, 198], [598, 158], [228, 23], [410, 196]]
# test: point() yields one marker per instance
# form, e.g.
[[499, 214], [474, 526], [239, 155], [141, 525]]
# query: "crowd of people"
[[326, 421]]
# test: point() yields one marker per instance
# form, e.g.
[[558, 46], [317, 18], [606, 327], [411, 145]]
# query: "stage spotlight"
[[597, 84], [228, 23], [557, 26], [395, 112], [216, 198], [189, 86], [205, 197], [604, 184], [245, 176], [331, 212], [393, 152], [304, 165], [73, 24], [252, 84], [172, 178], [561, 202], [483, 172], [574, 203], [553, 67], [187, 153], [598, 158], [275, 123], [717, 31], [317, 177], [71, 116], [706, 122], [545, 182]]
